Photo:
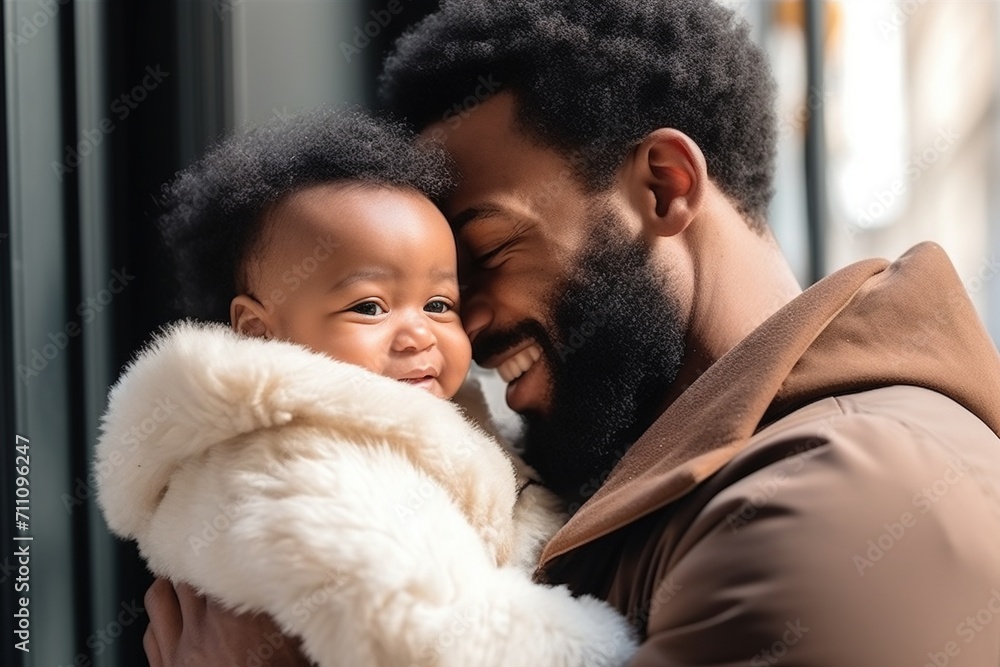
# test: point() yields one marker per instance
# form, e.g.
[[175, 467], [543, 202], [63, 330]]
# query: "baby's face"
[[367, 275]]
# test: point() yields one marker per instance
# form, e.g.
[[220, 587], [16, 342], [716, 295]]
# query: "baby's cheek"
[[465, 345], [458, 356]]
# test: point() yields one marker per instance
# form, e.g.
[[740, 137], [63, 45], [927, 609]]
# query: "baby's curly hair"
[[214, 211], [593, 77]]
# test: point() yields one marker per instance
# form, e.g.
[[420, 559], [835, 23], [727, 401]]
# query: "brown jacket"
[[826, 494]]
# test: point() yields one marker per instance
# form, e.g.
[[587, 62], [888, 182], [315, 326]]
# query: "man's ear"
[[248, 316], [669, 178]]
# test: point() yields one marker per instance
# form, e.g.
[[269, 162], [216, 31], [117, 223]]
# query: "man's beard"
[[614, 345]]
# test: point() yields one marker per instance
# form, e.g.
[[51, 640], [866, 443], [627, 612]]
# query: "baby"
[[303, 462]]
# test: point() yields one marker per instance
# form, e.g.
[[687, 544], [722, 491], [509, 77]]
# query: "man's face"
[[562, 296]]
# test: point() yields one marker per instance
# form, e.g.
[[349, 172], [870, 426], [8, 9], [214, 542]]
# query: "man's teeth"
[[516, 366]]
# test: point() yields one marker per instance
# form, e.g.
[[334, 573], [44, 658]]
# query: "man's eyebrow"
[[473, 214], [372, 273]]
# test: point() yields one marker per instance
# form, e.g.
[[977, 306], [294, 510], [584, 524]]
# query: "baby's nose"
[[414, 333]]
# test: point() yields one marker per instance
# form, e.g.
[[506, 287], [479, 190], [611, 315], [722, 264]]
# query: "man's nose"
[[413, 333], [477, 314]]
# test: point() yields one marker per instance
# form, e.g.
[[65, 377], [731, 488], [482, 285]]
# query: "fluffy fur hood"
[[199, 386]]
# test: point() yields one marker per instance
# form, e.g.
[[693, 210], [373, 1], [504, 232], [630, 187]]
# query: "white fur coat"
[[366, 516]]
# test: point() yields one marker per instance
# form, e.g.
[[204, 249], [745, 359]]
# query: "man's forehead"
[[485, 123]]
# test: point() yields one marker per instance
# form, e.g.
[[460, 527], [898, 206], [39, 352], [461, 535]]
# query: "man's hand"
[[188, 629]]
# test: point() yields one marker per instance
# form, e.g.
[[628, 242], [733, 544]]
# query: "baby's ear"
[[247, 316]]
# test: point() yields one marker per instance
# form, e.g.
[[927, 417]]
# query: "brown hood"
[[870, 325]]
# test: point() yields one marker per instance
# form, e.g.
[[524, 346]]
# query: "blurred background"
[[888, 136]]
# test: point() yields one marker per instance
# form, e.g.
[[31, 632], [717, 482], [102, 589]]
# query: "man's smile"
[[515, 366], [518, 353]]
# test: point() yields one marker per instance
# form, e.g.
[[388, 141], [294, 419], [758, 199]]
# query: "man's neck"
[[741, 278]]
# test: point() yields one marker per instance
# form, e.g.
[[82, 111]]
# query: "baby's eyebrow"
[[440, 275], [381, 273], [372, 273]]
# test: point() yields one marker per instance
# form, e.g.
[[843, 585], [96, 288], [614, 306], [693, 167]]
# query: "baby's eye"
[[370, 308], [438, 306]]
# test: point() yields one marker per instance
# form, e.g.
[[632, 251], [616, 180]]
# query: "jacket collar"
[[869, 325]]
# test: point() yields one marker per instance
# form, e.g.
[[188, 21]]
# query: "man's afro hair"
[[593, 77], [214, 211]]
